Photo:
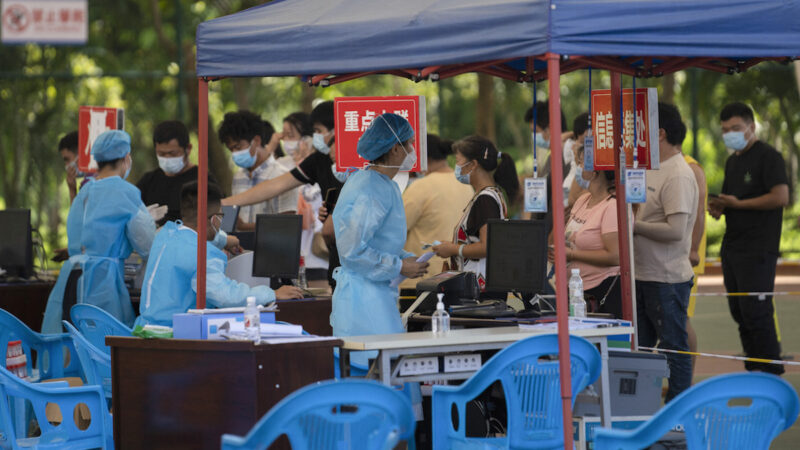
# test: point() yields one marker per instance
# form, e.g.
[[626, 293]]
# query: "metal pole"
[[622, 207], [202, 190], [556, 179]]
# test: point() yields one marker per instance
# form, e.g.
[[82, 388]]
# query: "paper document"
[[575, 324], [237, 309], [400, 278]]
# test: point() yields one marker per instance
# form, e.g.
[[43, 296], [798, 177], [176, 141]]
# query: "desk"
[[26, 301], [314, 314], [171, 393], [424, 343]]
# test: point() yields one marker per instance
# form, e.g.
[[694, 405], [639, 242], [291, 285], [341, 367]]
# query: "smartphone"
[[331, 196], [229, 216], [710, 195]]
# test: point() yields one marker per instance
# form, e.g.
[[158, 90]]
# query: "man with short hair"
[[250, 140], [162, 186], [754, 192], [68, 148], [662, 242]]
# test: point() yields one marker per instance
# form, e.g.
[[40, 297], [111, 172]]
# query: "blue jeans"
[[661, 315]]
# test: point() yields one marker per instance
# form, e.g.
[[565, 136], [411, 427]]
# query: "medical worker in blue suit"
[[370, 226], [170, 282], [107, 220]]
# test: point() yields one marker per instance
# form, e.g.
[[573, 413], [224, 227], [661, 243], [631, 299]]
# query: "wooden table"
[[171, 394], [314, 314], [424, 343], [26, 301]]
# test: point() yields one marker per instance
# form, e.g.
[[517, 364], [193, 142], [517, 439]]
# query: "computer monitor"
[[516, 257], [277, 247], [16, 246]]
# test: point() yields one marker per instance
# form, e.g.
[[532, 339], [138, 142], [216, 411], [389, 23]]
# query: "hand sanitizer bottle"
[[252, 321], [440, 321]]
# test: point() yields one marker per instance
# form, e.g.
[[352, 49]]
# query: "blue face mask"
[[128, 171], [541, 142], [341, 176], [320, 144], [582, 182], [735, 140], [243, 158], [461, 177]]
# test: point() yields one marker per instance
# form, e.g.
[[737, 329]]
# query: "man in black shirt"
[[163, 185], [316, 168], [754, 193]]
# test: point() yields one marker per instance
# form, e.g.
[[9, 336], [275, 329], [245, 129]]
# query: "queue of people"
[[373, 232]]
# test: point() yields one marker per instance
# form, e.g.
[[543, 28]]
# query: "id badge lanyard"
[[535, 188]]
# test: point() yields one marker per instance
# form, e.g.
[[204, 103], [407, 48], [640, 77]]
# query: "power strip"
[[419, 366], [462, 363]]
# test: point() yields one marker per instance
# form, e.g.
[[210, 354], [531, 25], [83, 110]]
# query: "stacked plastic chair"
[[67, 434], [96, 363], [95, 324], [55, 354], [532, 389], [735, 411], [334, 415]]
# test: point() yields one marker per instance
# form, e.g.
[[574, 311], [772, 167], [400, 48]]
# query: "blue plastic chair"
[[55, 353], [334, 414], [65, 435], [532, 390], [712, 420], [95, 324], [96, 363]]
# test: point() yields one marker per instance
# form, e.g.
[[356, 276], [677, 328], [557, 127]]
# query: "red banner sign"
[[355, 114], [605, 143], [92, 122]]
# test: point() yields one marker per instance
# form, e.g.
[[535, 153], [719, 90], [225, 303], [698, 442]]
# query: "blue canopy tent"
[[332, 41]]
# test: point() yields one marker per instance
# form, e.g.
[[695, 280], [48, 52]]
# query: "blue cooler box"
[[205, 326]]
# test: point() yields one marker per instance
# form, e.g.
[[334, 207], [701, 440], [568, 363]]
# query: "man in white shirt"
[[253, 144], [662, 242]]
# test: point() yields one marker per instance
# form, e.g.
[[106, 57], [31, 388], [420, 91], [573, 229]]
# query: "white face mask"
[[291, 146], [172, 165]]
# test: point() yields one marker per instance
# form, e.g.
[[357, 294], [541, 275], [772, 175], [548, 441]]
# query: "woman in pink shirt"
[[592, 245]]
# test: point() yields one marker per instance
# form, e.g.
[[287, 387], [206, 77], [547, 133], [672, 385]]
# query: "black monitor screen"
[[277, 249], [516, 257], [16, 255]]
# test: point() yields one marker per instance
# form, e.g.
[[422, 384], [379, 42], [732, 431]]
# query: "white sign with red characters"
[[92, 122], [353, 115], [44, 21]]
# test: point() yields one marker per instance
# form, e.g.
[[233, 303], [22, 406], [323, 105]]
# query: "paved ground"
[[717, 333]]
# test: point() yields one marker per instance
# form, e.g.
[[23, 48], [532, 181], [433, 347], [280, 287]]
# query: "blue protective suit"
[[370, 226], [170, 282], [106, 222]]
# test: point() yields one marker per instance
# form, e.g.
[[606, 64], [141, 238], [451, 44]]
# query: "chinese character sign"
[[353, 116], [92, 122], [646, 127], [44, 21]]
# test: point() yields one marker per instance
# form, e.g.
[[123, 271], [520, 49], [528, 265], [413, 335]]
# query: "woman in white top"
[[490, 173]]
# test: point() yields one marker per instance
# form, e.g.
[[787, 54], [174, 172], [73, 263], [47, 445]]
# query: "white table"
[[425, 343]]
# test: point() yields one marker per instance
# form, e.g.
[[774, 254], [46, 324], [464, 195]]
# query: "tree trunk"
[[668, 93], [484, 113], [307, 100]]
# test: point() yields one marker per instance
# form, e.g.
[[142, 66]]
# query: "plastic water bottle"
[[302, 283], [252, 321], [577, 305], [440, 321]]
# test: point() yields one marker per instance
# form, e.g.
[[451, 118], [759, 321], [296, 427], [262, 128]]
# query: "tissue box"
[[206, 326]]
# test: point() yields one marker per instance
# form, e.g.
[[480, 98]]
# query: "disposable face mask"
[[582, 182], [341, 176], [171, 165], [74, 164], [461, 177], [320, 144], [409, 160], [735, 140], [128, 171], [291, 146], [541, 142], [243, 158], [220, 238]]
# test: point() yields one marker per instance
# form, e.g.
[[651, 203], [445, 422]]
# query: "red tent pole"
[[556, 179], [622, 207], [202, 190]]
